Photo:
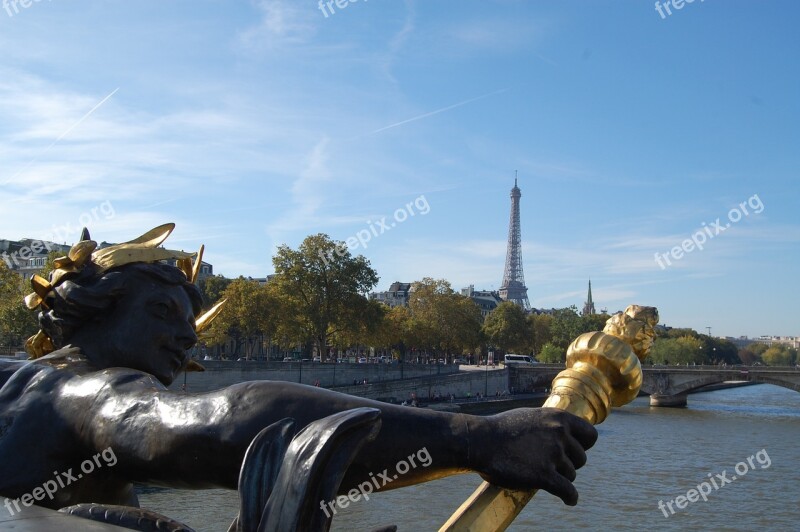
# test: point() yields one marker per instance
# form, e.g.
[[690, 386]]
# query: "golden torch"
[[603, 370]]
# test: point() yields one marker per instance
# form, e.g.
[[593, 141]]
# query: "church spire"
[[588, 306]]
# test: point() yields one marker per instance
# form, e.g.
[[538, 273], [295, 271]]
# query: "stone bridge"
[[669, 385]]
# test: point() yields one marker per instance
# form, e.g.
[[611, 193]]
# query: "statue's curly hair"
[[93, 293]]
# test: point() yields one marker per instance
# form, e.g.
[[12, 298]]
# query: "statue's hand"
[[535, 448]]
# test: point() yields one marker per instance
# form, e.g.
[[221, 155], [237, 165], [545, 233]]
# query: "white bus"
[[520, 360]]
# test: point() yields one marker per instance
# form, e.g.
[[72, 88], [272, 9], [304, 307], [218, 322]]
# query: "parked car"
[[288, 359]]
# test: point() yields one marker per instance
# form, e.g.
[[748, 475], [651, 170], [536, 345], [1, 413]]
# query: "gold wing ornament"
[[142, 249]]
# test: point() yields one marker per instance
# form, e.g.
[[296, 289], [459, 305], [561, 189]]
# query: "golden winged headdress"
[[143, 249]]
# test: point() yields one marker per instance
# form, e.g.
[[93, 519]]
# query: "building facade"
[[487, 300], [28, 256], [396, 296]]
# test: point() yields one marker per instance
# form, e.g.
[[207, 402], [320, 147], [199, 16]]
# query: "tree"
[[394, 330], [777, 355], [683, 350], [717, 350], [212, 288], [539, 326], [566, 326], [680, 332], [505, 327], [551, 354], [17, 323], [757, 348], [443, 320], [363, 326], [747, 357], [594, 322], [248, 314], [467, 331], [323, 288]]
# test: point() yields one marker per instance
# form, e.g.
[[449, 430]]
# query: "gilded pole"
[[603, 371]]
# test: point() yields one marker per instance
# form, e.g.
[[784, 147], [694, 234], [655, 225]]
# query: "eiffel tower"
[[513, 287]]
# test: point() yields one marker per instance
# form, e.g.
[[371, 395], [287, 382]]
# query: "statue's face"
[[149, 329]]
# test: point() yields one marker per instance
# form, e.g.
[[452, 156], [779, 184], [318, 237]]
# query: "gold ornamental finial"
[[142, 249], [603, 371]]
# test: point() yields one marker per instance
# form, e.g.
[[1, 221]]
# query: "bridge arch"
[[705, 380], [670, 388]]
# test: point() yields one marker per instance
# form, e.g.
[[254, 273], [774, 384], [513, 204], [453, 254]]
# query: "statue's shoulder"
[[20, 375], [67, 367], [8, 368]]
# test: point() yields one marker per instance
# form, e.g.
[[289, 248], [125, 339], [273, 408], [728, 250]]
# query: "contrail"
[[436, 112], [64, 134]]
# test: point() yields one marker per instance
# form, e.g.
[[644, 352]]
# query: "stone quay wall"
[[220, 374], [463, 384]]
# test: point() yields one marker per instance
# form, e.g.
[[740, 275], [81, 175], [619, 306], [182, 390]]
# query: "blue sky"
[[252, 124]]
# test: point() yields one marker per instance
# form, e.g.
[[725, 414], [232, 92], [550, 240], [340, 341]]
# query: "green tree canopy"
[[594, 322], [566, 326], [551, 354], [717, 350], [757, 348], [364, 326], [443, 320], [506, 328], [322, 288], [17, 323], [394, 330], [212, 288], [250, 311], [747, 357], [539, 327], [779, 355], [683, 350]]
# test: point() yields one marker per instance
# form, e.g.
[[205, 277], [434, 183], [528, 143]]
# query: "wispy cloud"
[[437, 111], [283, 22], [307, 195], [64, 134]]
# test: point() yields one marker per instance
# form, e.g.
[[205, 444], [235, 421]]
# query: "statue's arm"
[[199, 440]]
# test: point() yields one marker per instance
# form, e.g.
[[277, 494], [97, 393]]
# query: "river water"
[[644, 455]]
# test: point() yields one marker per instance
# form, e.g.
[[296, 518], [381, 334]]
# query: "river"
[[644, 455]]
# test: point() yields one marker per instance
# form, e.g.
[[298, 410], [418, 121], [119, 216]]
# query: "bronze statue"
[[117, 324]]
